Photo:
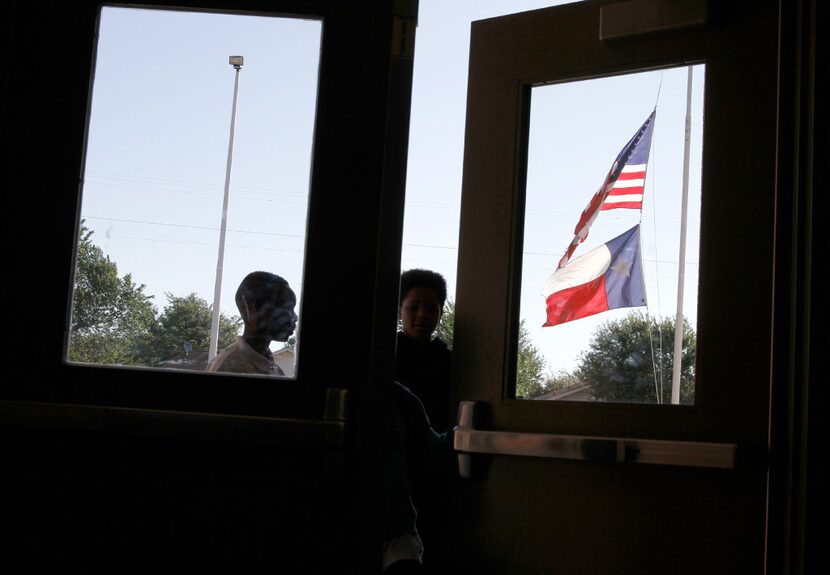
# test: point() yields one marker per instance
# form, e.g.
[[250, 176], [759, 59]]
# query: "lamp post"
[[236, 62]]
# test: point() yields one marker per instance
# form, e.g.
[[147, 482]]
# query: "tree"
[[291, 342], [631, 360], [530, 366], [111, 315], [188, 319], [560, 379], [446, 326]]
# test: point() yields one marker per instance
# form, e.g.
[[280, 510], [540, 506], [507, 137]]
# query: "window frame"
[[381, 110], [498, 98]]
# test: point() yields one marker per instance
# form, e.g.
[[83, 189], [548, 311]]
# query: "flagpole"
[[681, 272]]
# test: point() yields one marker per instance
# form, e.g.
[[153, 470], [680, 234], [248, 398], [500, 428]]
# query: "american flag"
[[622, 188]]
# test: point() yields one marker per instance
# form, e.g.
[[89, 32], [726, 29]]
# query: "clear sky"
[[158, 143]]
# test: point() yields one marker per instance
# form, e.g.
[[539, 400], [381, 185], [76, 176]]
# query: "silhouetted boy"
[[422, 364], [266, 305]]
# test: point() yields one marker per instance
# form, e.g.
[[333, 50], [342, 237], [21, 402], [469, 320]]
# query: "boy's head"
[[421, 303], [266, 305]]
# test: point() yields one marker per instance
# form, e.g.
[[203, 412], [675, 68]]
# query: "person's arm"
[[434, 450]]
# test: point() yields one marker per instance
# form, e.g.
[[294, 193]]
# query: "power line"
[[164, 181], [203, 244], [208, 228]]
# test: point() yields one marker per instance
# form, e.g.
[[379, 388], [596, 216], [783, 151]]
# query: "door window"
[[196, 174], [605, 160]]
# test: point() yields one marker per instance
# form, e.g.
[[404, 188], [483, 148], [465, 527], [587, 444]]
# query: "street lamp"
[[236, 62]]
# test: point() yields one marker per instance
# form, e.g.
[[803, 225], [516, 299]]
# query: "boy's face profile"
[[420, 313], [277, 316]]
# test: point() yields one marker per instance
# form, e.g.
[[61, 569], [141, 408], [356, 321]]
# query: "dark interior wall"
[[91, 499], [798, 468]]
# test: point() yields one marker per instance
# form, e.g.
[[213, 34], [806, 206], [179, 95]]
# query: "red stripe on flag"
[[630, 205], [625, 191], [632, 175], [577, 302]]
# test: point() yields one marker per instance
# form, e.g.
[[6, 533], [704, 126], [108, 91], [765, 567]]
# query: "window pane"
[[157, 168], [578, 132]]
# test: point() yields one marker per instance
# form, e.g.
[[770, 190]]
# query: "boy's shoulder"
[[438, 346]]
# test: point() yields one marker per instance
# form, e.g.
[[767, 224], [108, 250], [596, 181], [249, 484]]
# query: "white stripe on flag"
[[628, 168], [579, 271], [624, 198], [629, 183]]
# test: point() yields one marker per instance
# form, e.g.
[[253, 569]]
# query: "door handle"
[[467, 441]]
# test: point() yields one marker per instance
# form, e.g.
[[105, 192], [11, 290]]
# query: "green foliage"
[[619, 366], [560, 379], [114, 321], [446, 326], [530, 367], [111, 315], [188, 318]]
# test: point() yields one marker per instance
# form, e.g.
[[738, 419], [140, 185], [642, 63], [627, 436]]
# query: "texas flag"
[[607, 277]]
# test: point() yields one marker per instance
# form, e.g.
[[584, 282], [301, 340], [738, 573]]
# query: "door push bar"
[[468, 440]]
